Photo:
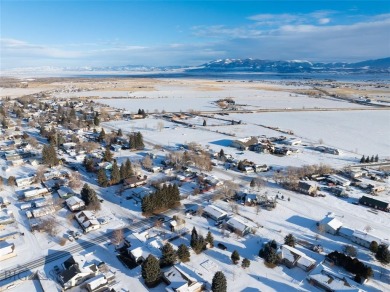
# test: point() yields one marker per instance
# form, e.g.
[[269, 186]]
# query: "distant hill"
[[293, 66]]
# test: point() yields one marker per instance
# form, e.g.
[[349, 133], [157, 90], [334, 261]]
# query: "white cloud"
[[324, 20]]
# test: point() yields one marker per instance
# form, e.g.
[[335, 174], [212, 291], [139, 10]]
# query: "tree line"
[[165, 198]]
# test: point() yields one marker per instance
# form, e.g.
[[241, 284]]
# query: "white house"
[[238, 225], [292, 257], [365, 239], [75, 203], [25, 181], [76, 271], [7, 250], [95, 283], [87, 220], [214, 213], [328, 280], [180, 281], [331, 225]]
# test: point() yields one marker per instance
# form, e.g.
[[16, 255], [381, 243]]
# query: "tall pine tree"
[[219, 283], [169, 255], [115, 174], [151, 271], [183, 253]]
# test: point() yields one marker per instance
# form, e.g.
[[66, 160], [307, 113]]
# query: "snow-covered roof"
[[331, 280], [289, 253], [237, 224], [214, 211], [6, 248], [332, 222], [368, 237], [74, 201]]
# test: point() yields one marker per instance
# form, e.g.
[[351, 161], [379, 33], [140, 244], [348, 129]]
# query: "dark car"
[[222, 246]]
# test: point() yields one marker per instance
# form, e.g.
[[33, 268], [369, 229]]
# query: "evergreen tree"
[[221, 153], [290, 240], [49, 155], [219, 283], [107, 155], [119, 134], [88, 195], [102, 135], [102, 178], [245, 263], [383, 254], [235, 257], [183, 253], [253, 183], [96, 122], [194, 237], [151, 271], [115, 174], [210, 239], [372, 158], [376, 158], [129, 168], [122, 171], [139, 141], [72, 113], [374, 246], [169, 255], [146, 205], [204, 123], [367, 159], [363, 159]]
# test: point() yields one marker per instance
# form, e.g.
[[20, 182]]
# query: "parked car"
[[221, 246], [70, 237], [103, 221]]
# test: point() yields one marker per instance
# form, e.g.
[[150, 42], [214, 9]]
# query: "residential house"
[[135, 181], [260, 167], [331, 281], [25, 181], [214, 213], [338, 180], [75, 204], [180, 281], [65, 192], [292, 257], [87, 221], [245, 143], [239, 226], [28, 195], [375, 203], [76, 271], [6, 220], [97, 283], [365, 239], [40, 212], [331, 225], [7, 250], [307, 188], [263, 148]]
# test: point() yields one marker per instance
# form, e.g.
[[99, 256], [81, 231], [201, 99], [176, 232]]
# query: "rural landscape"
[[106, 174]]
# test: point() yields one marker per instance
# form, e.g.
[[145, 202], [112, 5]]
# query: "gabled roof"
[[238, 224], [332, 222], [291, 254]]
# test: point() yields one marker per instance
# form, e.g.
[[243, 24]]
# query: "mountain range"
[[293, 66], [256, 65]]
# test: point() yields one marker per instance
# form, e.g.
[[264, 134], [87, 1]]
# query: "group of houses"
[[334, 226]]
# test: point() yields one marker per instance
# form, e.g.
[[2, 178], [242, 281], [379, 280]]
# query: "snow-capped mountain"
[[293, 66]]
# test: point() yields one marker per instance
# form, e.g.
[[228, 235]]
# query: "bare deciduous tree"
[[160, 126], [50, 226], [117, 237], [75, 180], [147, 162]]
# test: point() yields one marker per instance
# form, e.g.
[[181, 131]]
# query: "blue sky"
[[105, 33]]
